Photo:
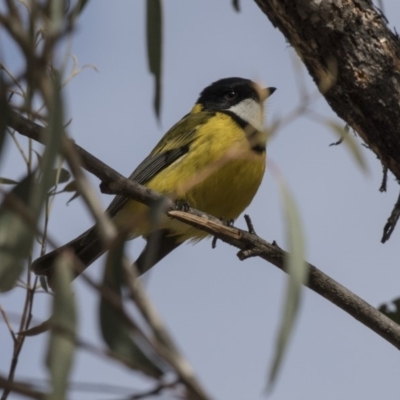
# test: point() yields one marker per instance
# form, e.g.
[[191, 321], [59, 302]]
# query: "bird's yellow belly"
[[219, 175], [224, 193], [234, 186]]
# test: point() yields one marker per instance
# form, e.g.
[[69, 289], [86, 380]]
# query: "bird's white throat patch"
[[250, 111]]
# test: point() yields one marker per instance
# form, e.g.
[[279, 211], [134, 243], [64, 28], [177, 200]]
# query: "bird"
[[213, 159]]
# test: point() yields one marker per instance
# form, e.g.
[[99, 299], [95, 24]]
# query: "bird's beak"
[[265, 93]]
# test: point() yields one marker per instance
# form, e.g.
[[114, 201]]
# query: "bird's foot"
[[182, 205]]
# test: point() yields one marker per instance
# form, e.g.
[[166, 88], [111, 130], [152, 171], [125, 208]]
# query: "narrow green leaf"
[[80, 6], [57, 176], [70, 187], [391, 310], [76, 11], [350, 142], [38, 329], [61, 348], [56, 16], [297, 277], [43, 283], [39, 158], [53, 140], [76, 195], [16, 236], [236, 5], [154, 26], [64, 176], [115, 330], [4, 111], [6, 181]]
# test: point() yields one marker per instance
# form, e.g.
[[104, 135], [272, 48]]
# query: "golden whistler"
[[213, 159]]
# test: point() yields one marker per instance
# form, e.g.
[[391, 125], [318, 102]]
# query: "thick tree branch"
[[248, 242], [355, 61]]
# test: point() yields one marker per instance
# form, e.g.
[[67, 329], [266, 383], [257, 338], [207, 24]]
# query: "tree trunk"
[[355, 61]]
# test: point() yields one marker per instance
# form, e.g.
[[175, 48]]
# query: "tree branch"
[[249, 243], [355, 61]]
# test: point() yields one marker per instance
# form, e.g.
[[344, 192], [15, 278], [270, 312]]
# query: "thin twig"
[[92, 387], [391, 222], [383, 186], [8, 323], [13, 78], [152, 392], [24, 325], [19, 147]]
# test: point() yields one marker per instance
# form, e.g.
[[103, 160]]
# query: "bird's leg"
[[182, 205], [227, 222]]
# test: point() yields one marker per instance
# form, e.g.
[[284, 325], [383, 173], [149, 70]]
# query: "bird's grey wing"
[[146, 170], [174, 144]]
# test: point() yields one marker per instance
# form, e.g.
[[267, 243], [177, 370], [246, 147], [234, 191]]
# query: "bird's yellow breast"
[[220, 174]]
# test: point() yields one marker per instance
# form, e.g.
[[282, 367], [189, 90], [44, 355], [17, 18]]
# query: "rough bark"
[[348, 43]]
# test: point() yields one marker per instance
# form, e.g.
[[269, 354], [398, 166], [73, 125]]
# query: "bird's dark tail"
[[88, 247], [159, 244]]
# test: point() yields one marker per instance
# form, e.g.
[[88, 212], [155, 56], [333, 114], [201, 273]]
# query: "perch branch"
[[248, 243]]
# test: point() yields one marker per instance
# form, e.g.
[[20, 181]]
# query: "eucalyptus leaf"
[[76, 195], [16, 236], [38, 329], [6, 181], [80, 6], [56, 16], [119, 336], [53, 140], [39, 158], [43, 283], [70, 187], [154, 25], [63, 322], [57, 176], [16, 233], [297, 277], [4, 111]]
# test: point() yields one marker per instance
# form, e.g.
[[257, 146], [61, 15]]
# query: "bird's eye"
[[231, 95]]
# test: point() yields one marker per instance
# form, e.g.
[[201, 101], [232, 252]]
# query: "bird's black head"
[[225, 93]]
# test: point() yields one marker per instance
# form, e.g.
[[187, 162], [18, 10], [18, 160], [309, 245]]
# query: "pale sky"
[[223, 313]]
